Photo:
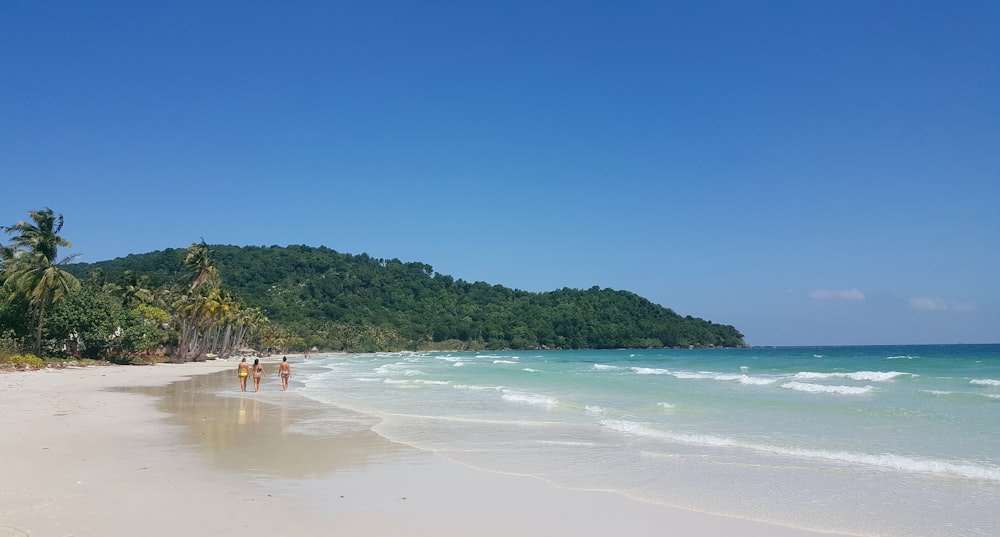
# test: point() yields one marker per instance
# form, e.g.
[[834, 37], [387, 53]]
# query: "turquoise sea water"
[[872, 440]]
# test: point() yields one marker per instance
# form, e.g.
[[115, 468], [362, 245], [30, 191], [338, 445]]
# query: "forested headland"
[[211, 300], [337, 301]]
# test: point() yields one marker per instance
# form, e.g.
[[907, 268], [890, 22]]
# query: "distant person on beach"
[[243, 371], [285, 369], [258, 373]]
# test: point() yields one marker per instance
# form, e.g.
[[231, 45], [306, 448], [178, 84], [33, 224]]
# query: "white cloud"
[[837, 294], [928, 303]]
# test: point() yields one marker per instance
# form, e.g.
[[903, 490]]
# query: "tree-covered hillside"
[[339, 301]]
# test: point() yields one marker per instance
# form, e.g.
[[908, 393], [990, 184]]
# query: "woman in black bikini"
[[258, 373]]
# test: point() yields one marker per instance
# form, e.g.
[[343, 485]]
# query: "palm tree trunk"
[[189, 339], [38, 337], [226, 341]]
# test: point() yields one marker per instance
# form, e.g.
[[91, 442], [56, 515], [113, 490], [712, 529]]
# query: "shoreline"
[[153, 450]]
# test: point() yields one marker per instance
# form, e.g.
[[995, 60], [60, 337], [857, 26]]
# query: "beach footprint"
[[19, 502], [16, 502], [13, 531]]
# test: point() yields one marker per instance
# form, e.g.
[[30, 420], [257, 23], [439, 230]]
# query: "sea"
[[860, 440]]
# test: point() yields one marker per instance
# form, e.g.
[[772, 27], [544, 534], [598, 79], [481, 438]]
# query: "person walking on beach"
[[258, 373], [243, 371], [285, 369]]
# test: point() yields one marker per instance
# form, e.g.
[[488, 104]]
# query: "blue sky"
[[821, 172]]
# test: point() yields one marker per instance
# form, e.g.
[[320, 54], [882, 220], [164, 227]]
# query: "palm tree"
[[134, 289], [201, 261], [42, 236], [198, 309], [30, 268]]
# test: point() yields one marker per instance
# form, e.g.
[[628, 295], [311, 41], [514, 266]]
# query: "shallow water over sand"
[[860, 440]]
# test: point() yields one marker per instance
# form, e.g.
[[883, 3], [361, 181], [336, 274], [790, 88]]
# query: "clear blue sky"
[[811, 172]]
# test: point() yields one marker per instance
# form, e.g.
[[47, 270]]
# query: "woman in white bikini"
[[258, 373]]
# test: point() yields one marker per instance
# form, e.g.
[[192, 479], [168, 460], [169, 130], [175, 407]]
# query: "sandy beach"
[[129, 450]]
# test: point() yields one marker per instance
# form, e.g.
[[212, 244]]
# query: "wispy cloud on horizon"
[[848, 295], [928, 303]]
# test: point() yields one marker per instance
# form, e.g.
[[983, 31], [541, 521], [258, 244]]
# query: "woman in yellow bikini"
[[258, 373], [243, 371]]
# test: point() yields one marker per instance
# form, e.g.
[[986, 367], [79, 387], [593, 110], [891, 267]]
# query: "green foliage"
[[15, 323], [90, 323], [91, 320], [333, 301], [29, 267], [151, 314], [22, 361], [134, 337]]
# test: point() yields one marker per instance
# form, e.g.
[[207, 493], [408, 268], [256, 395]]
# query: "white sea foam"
[[530, 370], [458, 364], [649, 431], [904, 357], [809, 375], [529, 398], [650, 371], [473, 388], [605, 367], [504, 362], [413, 372], [725, 377], [666, 406], [633, 428], [474, 420], [870, 376], [433, 382], [756, 381], [594, 409], [985, 382], [875, 376], [888, 461], [391, 369], [686, 375], [962, 394], [823, 388]]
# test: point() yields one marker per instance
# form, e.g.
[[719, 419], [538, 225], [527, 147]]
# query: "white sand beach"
[[110, 451]]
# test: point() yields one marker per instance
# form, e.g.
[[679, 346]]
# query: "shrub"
[[22, 361]]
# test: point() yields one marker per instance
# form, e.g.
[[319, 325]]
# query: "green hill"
[[338, 301]]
